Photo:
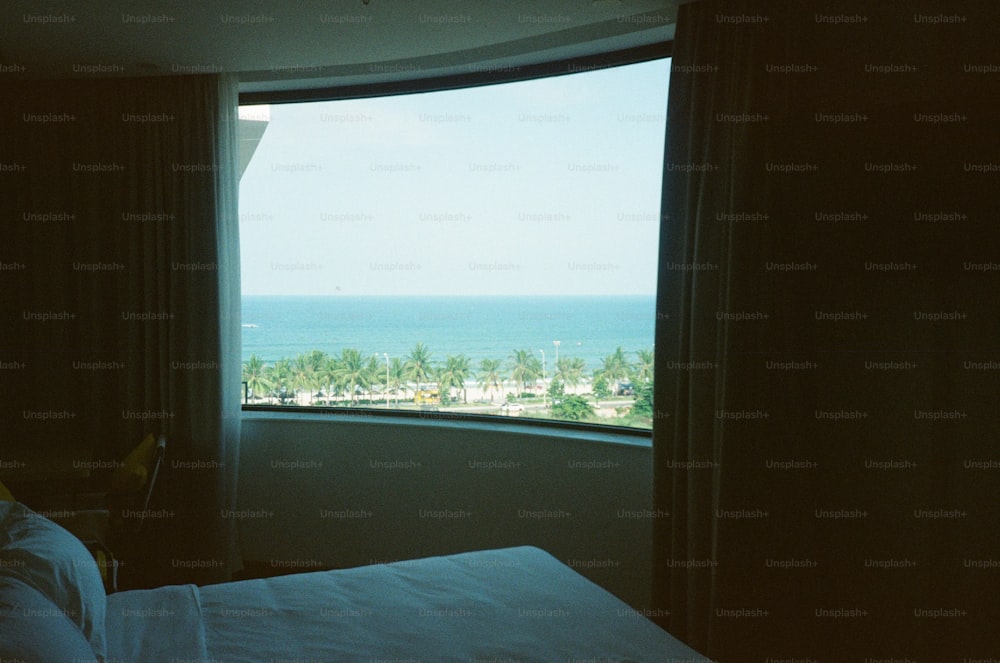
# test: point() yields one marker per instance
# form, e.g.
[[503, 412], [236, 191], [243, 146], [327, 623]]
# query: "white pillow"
[[36, 551], [35, 630]]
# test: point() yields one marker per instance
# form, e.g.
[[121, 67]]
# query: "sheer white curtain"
[[202, 385]]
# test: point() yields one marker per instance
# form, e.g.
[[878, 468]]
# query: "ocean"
[[276, 327]]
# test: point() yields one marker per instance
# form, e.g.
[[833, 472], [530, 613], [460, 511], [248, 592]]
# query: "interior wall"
[[363, 489]]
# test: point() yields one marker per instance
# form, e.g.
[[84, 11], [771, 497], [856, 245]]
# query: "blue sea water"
[[276, 327]]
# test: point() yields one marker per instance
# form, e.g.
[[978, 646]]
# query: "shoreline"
[[477, 402]]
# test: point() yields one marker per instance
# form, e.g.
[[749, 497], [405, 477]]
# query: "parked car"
[[509, 408], [427, 397]]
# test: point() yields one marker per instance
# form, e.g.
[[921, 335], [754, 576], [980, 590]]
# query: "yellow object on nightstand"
[[131, 476]]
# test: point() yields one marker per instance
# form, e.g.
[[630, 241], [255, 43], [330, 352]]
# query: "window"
[[488, 250]]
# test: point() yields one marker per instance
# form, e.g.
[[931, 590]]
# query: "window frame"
[[495, 76], [641, 435]]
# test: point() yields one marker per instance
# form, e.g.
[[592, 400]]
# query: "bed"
[[512, 604]]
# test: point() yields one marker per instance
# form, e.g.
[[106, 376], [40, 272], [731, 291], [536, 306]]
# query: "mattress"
[[513, 604]]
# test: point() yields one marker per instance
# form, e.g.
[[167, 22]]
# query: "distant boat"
[[250, 326]]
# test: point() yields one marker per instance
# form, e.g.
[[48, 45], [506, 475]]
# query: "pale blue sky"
[[548, 187]]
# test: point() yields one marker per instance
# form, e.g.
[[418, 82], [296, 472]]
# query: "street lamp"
[[556, 343], [386, 355], [544, 391]]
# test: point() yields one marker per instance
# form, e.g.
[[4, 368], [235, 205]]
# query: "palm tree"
[[489, 376], [569, 371], [462, 371], [599, 387], [352, 372], [418, 365], [255, 375], [374, 376], [525, 368], [453, 374], [303, 376], [644, 369], [280, 377], [319, 361], [614, 368], [397, 377], [325, 371]]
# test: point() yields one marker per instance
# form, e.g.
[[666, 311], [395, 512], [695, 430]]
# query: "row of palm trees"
[[353, 374]]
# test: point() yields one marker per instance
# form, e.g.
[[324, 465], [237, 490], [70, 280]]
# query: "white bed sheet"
[[514, 604], [150, 625]]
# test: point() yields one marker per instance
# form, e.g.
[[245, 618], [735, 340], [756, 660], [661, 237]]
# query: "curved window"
[[482, 251]]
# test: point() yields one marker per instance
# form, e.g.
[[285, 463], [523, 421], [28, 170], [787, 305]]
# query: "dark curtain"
[[121, 299], [828, 340]]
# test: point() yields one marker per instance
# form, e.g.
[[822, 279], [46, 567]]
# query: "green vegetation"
[[618, 392], [569, 370], [525, 368], [556, 391], [643, 406], [418, 366], [490, 376], [452, 376], [573, 408], [615, 368], [601, 389]]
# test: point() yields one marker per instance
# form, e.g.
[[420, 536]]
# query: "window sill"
[[598, 433]]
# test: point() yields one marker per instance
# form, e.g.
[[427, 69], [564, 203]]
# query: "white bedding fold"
[[154, 625]]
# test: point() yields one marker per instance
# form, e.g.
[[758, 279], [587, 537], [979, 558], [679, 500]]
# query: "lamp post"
[[545, 394], [386, 355], [556, 343]]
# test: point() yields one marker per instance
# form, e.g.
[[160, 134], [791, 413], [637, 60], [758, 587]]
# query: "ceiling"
[[297, 44]]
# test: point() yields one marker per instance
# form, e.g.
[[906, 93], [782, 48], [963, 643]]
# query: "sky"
[[544, 187]]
